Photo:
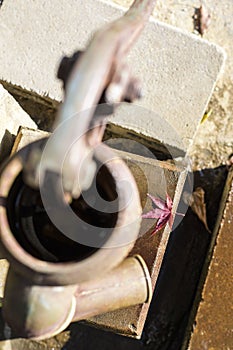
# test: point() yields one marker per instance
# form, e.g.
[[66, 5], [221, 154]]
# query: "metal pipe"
[[40, 312], [36, 311], [128, 284], [53, 294]]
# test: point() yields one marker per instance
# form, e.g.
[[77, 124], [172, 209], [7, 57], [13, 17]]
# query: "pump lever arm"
[[97, 70]]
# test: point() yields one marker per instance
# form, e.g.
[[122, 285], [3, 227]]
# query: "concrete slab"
[[214, 319], [178, 70], [214, 142]]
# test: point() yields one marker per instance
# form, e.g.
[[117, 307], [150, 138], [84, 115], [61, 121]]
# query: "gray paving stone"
[[178, 70]]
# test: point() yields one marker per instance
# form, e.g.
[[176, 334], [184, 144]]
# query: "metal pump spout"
[[62, 268]]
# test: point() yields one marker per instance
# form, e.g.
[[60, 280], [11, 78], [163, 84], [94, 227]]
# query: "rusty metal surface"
[[54, 308], [130, 321], [101, 260], [214, 319], [38, 279], [147, 173], [36, 311]]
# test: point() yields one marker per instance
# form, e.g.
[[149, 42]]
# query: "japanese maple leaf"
[[162, 212]]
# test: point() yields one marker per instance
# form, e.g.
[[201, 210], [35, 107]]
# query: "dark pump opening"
[[35, 232]]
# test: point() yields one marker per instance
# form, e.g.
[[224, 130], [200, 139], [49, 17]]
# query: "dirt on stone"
[[214, 140]]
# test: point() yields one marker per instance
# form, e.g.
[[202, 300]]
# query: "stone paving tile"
[[177, 77], [214, 142]]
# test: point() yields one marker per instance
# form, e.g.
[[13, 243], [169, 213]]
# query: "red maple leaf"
[[162, 212]]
